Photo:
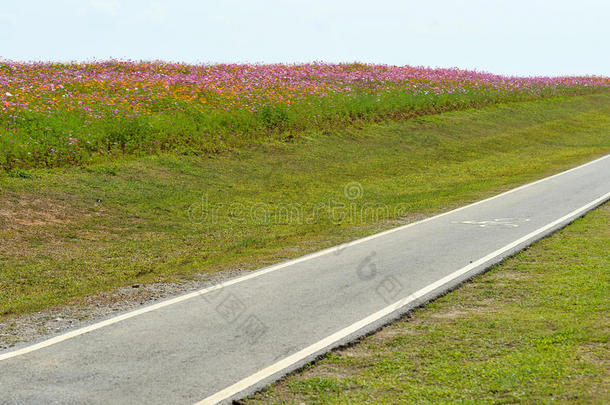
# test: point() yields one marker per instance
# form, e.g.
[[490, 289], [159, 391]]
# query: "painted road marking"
[[501, 222]]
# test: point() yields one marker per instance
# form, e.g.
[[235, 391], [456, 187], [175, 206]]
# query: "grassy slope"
[[75, 231], [534, 329]]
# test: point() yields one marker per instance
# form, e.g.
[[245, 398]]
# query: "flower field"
[[56, 114]]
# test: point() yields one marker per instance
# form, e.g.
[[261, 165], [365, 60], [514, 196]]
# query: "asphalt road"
[[231, 339]]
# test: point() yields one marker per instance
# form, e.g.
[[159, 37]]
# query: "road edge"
[[391, 313]]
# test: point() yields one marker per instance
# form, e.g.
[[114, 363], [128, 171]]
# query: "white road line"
[[153, 307], [343, 333]]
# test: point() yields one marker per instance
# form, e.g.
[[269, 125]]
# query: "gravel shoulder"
[[37, 326]]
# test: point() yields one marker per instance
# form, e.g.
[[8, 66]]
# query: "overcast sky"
[[531, 37]]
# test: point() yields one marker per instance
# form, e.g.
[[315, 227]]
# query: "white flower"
[[8, 94]]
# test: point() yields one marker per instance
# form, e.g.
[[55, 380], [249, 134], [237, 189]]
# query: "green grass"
[[534, 329], [75, 231]]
